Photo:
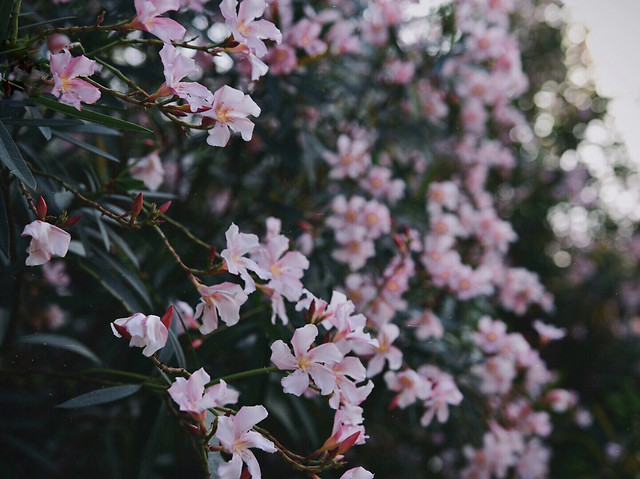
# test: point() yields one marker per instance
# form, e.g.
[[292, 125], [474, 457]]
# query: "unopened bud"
[[41, 209], [167, 318], [136, 208], [122, 331], [162, 209], [348, 443], [72, 221]]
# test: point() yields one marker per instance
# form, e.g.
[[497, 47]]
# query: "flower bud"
[[162, 209], [41, 209]]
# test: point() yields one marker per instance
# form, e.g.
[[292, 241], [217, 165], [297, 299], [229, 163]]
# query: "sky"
[[614, 42]]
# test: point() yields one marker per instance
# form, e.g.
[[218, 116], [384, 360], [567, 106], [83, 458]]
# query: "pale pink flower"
[[236, 261], [305, 34], [55, 274], [147, 332], [428, 325], [176, 67], [347, 372], [148, 169], [46, 240], [352, 159], [185, 315], [357, 473], [65, 70], [444, 392], [561, 399], [491, 336], [191, 396], [237, 437], [57, 42], [195, 5], [315, 362], [282, 60], [230, 110], [548, 332], [244, 26], [385, 351], [534, 462], [410, 386], [355, 253], [496, 373], [148, 19], [224, 299], [54, 316]]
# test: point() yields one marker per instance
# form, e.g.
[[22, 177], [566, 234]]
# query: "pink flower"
[[315, 362], [443, 393], [352, 159], [245, 29], [148, 169], [57, 42], [410, 385], [428, 325], [65, 70], [192, 397], [357, 473], [176, 67], [147, 332], [224, 299], [548, 332], [148, 19], [230, 110], [239, 245], [46, 240], [236, 437], [387, 334]]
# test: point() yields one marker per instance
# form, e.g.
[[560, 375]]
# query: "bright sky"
[[614, 43]]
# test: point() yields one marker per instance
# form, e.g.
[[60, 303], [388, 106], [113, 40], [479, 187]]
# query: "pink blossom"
[[548, 332], [148, 19], [347, 372], [185, 315], [237, 437], [282, 60], [496, 373], [428, 325], [357, 473], [245, 29], [385, 351], [238, 246], [46, 240], [444, 392], [191, 396], [147, 332], [57, 42], [315, 362], [148, 169], [410, 385], [491, 336], [230, 110], [176, 67], [65, 70], [305, 34], [195, 5], [55, 274], [352, 159], [222, 299]]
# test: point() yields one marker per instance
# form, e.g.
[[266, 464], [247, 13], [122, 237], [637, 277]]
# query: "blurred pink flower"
[[148, 169]]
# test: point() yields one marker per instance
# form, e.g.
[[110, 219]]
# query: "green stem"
[[116, 372], [246, 374], [15, 15]]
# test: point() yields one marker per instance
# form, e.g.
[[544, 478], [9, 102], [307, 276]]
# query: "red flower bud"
[[122, 331], [162, 209], [41, 209], [72, 221], [136, 208], [167, 318]]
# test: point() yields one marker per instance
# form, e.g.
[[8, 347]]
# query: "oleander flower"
[[46, 240], [72, 90]]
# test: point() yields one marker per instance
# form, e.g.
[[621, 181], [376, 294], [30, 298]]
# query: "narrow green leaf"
[[11, 157], [101, 396], [62, 342], [86, 146], [5, 16], [90, 115], [46, 22], [112, 283], [5, 237]]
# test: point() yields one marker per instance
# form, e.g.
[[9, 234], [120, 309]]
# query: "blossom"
[[357, 473], [245, 29], [548, 332], [236, 437], [148, 332], [239, 245], [148, 19], [65, 70], [314, 362], [230, 110], [176, 67], [222, 299], [46, 240], [148, 169], [191, 396]]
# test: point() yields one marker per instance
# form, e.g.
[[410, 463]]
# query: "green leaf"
[[85, 146], [40, 122], [5, 16], [129, 184], [101, 396], [5, 237], [90, 116], [112, 283], [62, 342], [11, 157]]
